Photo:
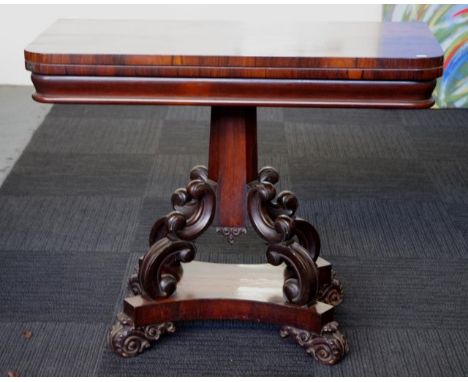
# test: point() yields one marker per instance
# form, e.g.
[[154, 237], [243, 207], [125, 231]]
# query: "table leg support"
[[230, 194]]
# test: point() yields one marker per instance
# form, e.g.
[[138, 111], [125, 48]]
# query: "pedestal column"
[[232, 163]]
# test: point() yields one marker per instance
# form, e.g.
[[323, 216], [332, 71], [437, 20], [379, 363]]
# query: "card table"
[[234, 67]]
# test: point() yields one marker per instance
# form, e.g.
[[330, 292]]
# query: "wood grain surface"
[[233, 92], [233, 43], [244, 292], [236, 49], [234, 63]]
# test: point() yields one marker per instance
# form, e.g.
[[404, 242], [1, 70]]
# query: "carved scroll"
[[293, 241], [194, 208], [301, 275], [128, 341], [331, 293], [171, 237], [328, 347], [231, 232], [160, 270]]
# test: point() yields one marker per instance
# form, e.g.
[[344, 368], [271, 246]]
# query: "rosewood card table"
[[234, 68]]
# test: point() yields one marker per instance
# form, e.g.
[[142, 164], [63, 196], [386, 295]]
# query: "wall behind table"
[[20, 24], [449, 24]]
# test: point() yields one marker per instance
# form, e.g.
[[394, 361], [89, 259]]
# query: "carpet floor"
[[387, 190]]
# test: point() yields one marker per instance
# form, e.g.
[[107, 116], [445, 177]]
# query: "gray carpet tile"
[[271, 137], [151, 210], [344, 117], [281, 164], [67, 223], [78, 174], [55, 348], [386, 189], [409, 293], [450, 178], [98, 135], [361, 178], [425, 120], [188, 113], [459, 216], [175, 134], [60, 286], [170, 172], [331, 141], [438, 139], [268, 114], [385, 228], [113, 112], [405, 352]]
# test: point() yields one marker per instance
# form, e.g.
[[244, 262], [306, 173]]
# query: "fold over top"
[[256, 50]]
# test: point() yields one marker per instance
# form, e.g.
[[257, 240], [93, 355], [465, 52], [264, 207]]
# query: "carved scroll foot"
[[128, 341], [231, 232], [332, 293], [328, 347]]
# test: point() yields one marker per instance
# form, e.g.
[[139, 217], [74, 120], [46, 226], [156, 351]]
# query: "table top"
[[111, 52], [237, 44]]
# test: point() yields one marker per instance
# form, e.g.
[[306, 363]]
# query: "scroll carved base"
[[328, 347], [309, 287], [128, 341]]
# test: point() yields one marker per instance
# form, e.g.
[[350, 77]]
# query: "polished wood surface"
[[379, 65], [235, 43], [235, 72], [244, 292], [232, 161], [233, 92]]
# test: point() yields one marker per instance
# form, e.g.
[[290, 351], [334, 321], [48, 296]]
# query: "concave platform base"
[[242, 292]]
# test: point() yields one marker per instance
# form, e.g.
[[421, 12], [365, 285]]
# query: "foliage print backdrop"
[[449, 24]]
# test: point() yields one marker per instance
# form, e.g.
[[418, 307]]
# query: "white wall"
[[20, 24]]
